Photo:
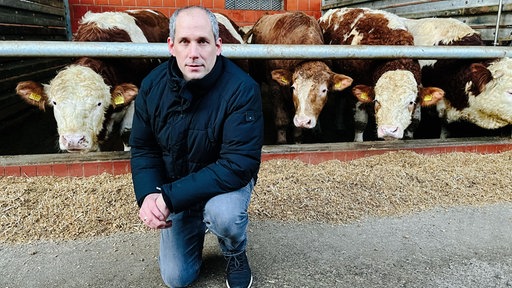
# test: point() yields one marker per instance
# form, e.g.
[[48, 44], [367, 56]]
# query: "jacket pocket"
[[203, 146]]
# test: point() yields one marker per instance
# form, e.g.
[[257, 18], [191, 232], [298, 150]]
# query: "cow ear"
[[480, 76], [340, 82], [32, 93], [282, 76], [363, 93], [430, 95], [123, 94]]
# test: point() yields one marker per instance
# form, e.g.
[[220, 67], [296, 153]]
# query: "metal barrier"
[[247, 51]]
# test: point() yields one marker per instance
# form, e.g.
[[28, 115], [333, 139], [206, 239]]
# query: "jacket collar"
[[196, 86]]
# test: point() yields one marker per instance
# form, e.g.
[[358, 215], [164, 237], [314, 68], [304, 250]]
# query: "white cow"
[[477, 91], [92, 99], [390, 89]]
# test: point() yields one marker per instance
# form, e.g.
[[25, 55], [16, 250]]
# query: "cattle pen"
[[65, 164]]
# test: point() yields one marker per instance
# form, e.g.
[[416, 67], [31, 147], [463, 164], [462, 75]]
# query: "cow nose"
[[74, 141], [303, 122], [390, 132]]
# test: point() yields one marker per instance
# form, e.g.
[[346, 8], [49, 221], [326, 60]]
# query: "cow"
[[388, 89], [231, 33], [298, 88], [478, 91], [92, 98]]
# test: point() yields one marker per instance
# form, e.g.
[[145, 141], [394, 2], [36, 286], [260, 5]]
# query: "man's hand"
[[154, 212]]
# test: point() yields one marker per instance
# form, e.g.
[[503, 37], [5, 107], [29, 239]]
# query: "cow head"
[[489, 95], [398, 100], [310, 82], [80, 100]]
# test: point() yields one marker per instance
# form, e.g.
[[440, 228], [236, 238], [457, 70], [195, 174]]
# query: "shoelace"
[[234, 264]]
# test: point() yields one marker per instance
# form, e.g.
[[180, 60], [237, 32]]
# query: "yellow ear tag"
[[337, 85], [284, 80], [427, 98], [364, 96], [35, 97], [119, 99]]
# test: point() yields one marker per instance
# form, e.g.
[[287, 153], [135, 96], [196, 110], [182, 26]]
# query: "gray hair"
[[211, 16]]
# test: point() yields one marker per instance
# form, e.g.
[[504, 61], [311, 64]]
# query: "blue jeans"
[[181, 245]]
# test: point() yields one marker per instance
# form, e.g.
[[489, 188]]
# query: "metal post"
[[69, 33], [498, 20]]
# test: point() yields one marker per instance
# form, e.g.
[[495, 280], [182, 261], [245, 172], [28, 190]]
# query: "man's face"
[[194, 46]]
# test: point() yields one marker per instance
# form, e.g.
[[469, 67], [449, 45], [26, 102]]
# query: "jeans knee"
[[227, 224], [174, 278]]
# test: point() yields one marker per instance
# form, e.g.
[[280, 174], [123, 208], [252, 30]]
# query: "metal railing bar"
[[248, 51]]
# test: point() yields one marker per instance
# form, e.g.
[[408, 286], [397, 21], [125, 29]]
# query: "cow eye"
[[54, 103], [411, 106], [324, 90], [99, 104], [292, 88]]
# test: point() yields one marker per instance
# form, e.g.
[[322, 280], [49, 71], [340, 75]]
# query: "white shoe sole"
[[250, 283]]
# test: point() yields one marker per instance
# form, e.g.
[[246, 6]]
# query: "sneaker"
[[238, 272]]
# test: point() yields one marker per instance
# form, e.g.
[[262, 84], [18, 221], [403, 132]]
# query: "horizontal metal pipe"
[[247, 51]]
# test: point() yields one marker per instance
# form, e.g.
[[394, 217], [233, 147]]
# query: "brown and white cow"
[[477, 91], [298, 88], [92, 98], [231, 33], [390, 87]]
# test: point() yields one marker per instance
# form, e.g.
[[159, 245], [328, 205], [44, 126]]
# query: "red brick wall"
[[241, 17], [342, 153]]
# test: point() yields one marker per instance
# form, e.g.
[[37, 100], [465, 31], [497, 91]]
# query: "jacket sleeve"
[[239, 157], [146, 156]]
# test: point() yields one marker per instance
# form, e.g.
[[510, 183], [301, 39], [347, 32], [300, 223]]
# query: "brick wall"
[[70, 164], [242, 17]]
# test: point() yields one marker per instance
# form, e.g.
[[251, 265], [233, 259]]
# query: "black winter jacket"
[[195, 139]]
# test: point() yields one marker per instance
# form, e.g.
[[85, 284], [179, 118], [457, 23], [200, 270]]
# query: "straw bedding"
[[395, 183]]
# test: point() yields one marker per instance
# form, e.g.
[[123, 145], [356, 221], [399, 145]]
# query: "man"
[[196, 150]]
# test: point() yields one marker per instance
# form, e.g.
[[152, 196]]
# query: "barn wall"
[[481, 15], [242, 17]]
